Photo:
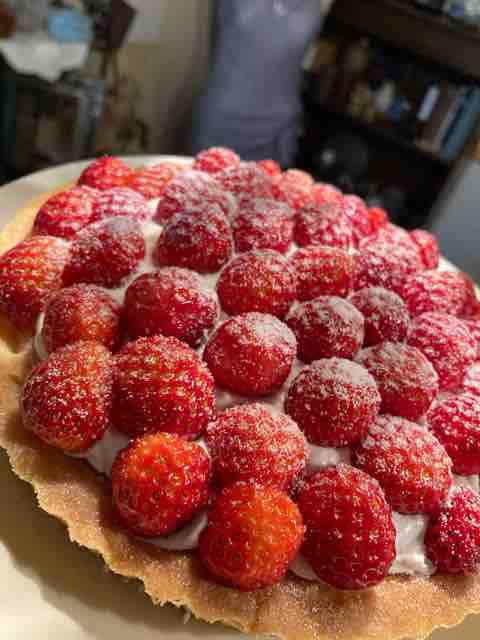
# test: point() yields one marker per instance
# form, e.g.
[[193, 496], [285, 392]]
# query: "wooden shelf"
[[436, 38], [378, 131]]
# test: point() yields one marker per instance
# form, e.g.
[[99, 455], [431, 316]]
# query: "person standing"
[[251, 102]]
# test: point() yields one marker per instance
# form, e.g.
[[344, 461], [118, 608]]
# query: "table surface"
[[51, 588]]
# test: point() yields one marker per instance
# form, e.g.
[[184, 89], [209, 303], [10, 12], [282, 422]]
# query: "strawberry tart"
[[249, 391]]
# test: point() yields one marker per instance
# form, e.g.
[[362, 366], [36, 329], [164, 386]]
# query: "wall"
[[168, 52]]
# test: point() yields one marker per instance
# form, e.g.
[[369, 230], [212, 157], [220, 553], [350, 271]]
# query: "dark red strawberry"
[[357, 213], [81, 312], [327, 327], [67, 399], [201, 241], [447, 343], [105, 253], [323, 271], [252, 536], [263, 224], [452, 540], [106, 173], [406, 380], [159, 483], [428, 247], [162, 385], [65, 213], [171, 302], [473, 326], [386, 316], [334, 402], [350, 534], [29, 274], [410, 464], [215, 159], [324, 224], [455, 420], [250, 442], [257, 281], [193, 192], [251, 354]]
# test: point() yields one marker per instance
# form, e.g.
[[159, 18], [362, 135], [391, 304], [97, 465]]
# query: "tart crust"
[[71, 491]]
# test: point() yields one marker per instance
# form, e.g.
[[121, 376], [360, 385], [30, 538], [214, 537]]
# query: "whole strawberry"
[[253, 534], [67, 399], [65, 213], [106, 173], [350, 535], [250, 442], [216, 159], [81, 312], [452, 540], [410, 464], [151, 182], [162, 385], [29, 273], [323, 271], [159, 483]]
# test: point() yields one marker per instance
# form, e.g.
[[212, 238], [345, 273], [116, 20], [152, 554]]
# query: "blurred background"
[[380, 97]]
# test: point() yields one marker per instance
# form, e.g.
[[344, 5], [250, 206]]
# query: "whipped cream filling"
[[410, 550]]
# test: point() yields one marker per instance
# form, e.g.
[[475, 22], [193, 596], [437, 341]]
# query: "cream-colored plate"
[[50, 588]]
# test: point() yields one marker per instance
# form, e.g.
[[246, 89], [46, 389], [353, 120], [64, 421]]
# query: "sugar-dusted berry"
[[357, 213], [295, 187], [201, 241], [159, 482], [250, 442], [260, 281], [334, 402], [439, 291], [246, 181], [151, 182], [270, 167], [381, 263], [251, 354], [171, 302], [162, 385], [447, 343], [29, 274], [428, 248], [407, 381], [215, 159], [452, 540], [105, 253], [324, 224], [455, 420], [65, 213], [263, 224], [327, 327], [67, 398], [386, 316], [81, 312], [252, 536], [323, 271], [350, 534], [410, 464], [106, 173], [120, 202]]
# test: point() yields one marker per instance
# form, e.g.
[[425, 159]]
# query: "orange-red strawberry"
[[250, 442], [65, 213], [105, 253], [106, 173], [253, 534], [295, 187], [410, 464], [260, 281], [81, 312], [452, 540], [159, 482], [29, 274], [350, 535], [215, 159], [162, 385], [378, 218], [67, 399], [152, 181], [251, 354], [270, 167]]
